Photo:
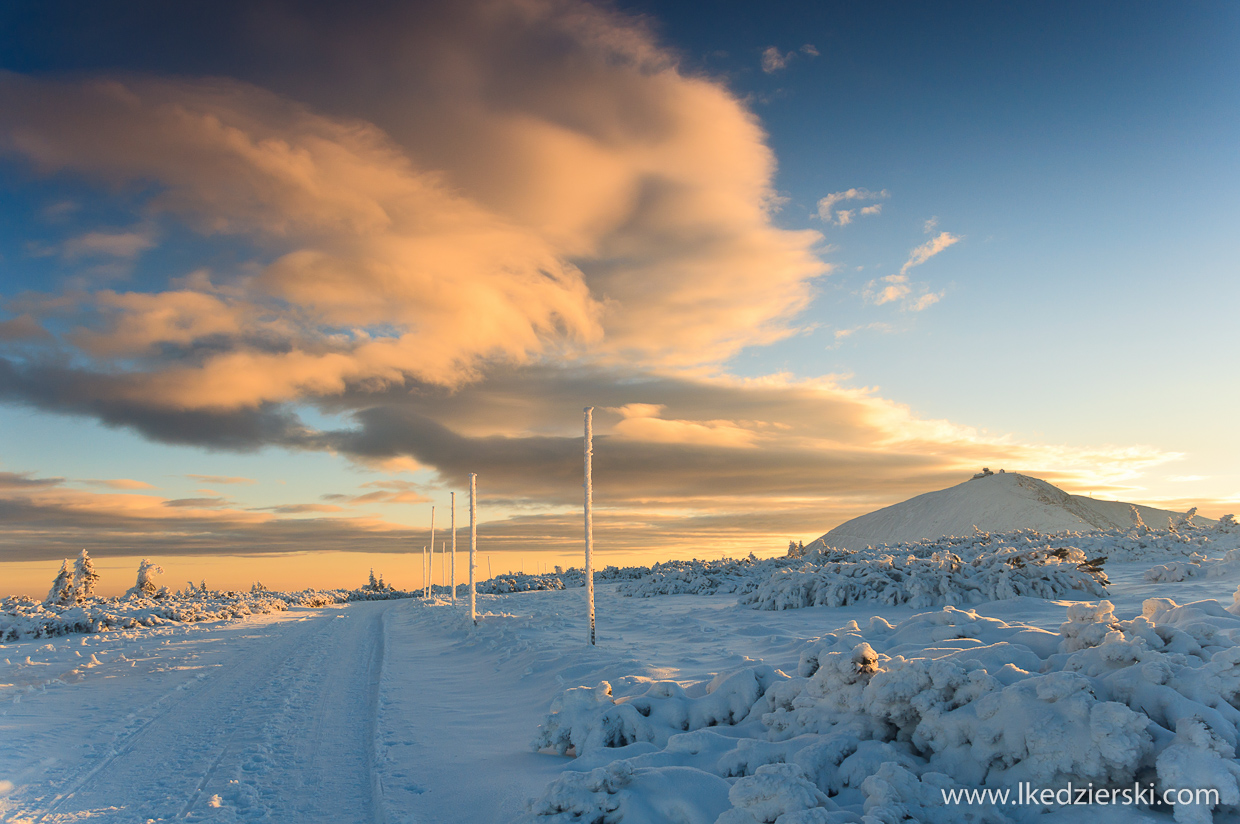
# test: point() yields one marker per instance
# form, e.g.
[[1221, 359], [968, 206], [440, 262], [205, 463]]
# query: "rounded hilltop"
[[992, 502]]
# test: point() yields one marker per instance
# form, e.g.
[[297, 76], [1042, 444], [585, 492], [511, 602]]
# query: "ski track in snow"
[[281, 731]]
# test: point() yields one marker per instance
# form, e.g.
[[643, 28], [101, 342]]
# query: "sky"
[[275, 278]]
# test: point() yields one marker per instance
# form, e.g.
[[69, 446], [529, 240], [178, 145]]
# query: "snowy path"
[[280, 729]]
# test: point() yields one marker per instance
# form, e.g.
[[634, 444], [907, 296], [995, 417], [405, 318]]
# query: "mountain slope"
[[993, 503]]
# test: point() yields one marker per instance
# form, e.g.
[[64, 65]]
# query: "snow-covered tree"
[[372, 585], [1187, 518], [1136, 516], [258, 587], [1227, 523], [84, 578], [382, 586], [62, 588], [145, 587]]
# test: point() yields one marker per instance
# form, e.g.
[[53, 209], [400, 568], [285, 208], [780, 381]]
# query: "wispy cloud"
[[123, 245], [120, 483], [928, 250], [222, 479], [912, 296], [775, 59], [828, 212]]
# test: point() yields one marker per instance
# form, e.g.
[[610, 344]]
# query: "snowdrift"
[[878, 722]]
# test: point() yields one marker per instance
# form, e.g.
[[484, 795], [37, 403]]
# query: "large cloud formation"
[[458, 223], [546, 180]]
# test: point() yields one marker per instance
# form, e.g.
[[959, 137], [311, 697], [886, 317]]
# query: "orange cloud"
[[606, 205]]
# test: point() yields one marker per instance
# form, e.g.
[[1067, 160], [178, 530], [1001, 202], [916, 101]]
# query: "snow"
[[26, 618], [1000, 502], [692, 708]]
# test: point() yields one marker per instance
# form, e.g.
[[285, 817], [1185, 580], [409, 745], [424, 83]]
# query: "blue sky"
[[634, 208]]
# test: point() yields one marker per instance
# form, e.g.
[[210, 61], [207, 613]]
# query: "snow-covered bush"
[[503, 584], [22, 617], [586, 719], [876, 720], [943, 578], [145, 586], [888, 573]]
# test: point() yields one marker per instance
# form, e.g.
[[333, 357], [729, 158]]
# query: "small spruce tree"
[[84, 578], [62, 588]]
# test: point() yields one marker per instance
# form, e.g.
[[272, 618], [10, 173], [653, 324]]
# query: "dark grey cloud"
[[66, 390]]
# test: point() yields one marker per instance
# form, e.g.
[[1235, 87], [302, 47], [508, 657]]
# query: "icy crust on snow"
[[23, 618], [877, 722]]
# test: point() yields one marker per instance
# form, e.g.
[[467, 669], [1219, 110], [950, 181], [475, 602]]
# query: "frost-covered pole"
[[589, 485], [425, 578], [430, 587], [453, 513], [473, 546]]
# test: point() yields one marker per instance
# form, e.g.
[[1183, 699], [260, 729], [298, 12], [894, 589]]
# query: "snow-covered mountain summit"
[[999, 502]]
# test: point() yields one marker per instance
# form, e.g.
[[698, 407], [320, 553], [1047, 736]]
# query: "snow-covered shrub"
[[1176, 570], [145, 586], [635, 795], [586, 719], [943, 578], [503, 584], [22, 617], [774, 792], [877, 719]]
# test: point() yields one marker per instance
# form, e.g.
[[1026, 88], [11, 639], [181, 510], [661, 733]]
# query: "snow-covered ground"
[[401, 711], [998, 502]]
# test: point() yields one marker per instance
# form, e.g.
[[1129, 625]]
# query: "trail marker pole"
[[589, 485], [453, 511], [473, 546], [430, 587], [425, 579]]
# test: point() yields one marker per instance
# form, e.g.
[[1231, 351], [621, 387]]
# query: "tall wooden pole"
[[453, 498], [473, 546], [589, 484]]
